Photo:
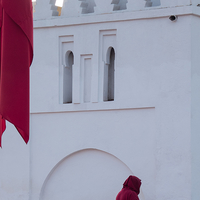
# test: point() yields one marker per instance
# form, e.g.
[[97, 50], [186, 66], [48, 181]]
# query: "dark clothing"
[[130, 190]]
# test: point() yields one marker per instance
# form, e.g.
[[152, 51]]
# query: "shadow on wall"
[[152, 3], [86, 174]]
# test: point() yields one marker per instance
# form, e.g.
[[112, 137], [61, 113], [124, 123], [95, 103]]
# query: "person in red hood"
[[130, 190]]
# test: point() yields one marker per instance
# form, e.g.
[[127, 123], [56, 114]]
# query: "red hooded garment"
[[130, 190], [16, 53]]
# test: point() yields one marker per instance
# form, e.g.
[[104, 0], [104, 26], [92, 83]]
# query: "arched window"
[[67, 77], [109, 69]]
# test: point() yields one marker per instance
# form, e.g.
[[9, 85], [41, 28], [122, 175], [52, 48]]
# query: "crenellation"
[[148, 3], [135, 5], [45, 9], [54, 8], [87, 6], [119, 4], [71, 8], [42, 10], [103, 7]]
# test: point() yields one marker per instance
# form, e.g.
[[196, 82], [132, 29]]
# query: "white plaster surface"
[[71, 8], [14, 167], [103, 7], [172, 3], [42, 9], [117, 142], [147, 126], [92, 169], [195, 109]]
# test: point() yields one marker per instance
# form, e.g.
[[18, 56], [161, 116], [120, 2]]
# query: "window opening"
[[67, 78], [109, 70]]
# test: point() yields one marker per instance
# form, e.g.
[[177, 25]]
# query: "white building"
[[115, 90]]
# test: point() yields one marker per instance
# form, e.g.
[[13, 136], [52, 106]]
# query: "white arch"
[[80, 170]]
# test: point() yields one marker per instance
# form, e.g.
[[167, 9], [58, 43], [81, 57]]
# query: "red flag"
[[16, 54]]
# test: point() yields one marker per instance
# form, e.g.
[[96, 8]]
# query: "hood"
[[133, 183]]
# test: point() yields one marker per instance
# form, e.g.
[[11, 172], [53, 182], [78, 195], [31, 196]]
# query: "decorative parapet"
[[42, 9], [46, 9], [54, 8]]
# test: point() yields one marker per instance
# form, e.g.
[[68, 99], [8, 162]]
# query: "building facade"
[[115, 90]]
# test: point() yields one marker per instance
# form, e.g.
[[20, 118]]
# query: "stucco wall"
[[147, 126], [15, 166]]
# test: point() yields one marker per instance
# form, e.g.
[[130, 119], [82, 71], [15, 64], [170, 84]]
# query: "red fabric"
[[16, 54], [130, 190]]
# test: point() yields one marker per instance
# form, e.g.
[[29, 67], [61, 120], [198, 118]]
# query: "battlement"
[[45, 9]]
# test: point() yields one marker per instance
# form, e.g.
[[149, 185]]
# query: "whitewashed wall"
[[14, 166], [142, 127], [86, 150], [195, 97]]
